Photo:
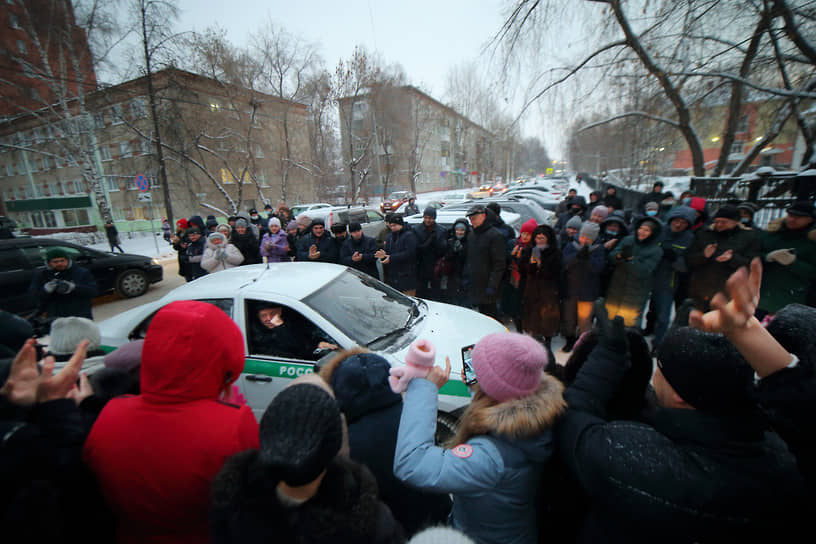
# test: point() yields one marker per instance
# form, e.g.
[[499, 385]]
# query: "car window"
[[223, 304], [361, 307], [36, 254], [357, 216], [373, 216], [293, 336], [12, 259]]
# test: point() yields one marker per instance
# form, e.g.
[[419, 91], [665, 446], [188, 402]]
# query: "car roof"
[[293, 279]]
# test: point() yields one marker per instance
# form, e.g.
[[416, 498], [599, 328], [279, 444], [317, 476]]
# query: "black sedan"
[[128, 275]]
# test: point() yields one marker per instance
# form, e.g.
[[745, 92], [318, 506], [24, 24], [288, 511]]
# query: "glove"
[[50, 286], [490, 291], [783, 256], [612, 334], [221, 254], [65, 287], [669, 254]]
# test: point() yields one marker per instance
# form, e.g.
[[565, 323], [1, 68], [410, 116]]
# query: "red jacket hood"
[[698, 203], [192, 350]]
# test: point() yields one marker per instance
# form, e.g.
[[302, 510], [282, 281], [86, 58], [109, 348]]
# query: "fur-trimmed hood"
[[522, 418], [779, 224], [245, 507]]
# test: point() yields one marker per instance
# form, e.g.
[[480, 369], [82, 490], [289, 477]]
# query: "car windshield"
[[361, 307]]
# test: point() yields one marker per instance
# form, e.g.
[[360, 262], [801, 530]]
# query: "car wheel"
[[446, 426], [132, 283]]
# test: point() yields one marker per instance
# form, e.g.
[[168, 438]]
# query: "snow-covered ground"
[[137, 243]]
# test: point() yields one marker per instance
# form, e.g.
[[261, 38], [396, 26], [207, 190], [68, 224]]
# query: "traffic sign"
[[145, 197], [142, 183]]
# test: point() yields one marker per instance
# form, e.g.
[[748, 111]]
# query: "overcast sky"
[[427, 37]]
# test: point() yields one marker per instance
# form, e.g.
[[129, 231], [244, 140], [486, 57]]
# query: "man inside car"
[[276, 332]]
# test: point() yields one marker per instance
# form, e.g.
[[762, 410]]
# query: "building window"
[[69, 218], [226, 176], [21, 168], [82, 217], [124, 149], [110, 183], [21, 47], [128, 213], [76, 186], [742, 124], [46, 163], [50, 219], [138, 213], [154, 182], [259, 153], [9, 169], [55, 188], [99, 120], [117, 116], [215, 105], [146, 146], [737, 147], [445, 149], [38, 135], [36, 219], [137, 108], [104, 150], [13, 21], [262, 179]]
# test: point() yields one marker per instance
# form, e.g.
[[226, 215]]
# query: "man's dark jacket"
[[365, 246], [325, 245], [402, 266], [76, 303], [689, 477], [431, 245], [485, 263]]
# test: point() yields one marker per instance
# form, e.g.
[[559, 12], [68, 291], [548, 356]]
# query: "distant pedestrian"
[[167, 230], [113, 236]]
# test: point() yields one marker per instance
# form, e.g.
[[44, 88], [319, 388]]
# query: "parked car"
[[129, 275], [482, 192], [446, 217], [395, 200], [300, 208], [421, 204], [526, 208], [542, 198], [340, 303], [371, 219]]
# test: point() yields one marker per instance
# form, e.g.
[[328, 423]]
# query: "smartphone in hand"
[[467, 366]]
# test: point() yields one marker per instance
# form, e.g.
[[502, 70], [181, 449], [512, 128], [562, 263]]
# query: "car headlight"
[[154, 261]]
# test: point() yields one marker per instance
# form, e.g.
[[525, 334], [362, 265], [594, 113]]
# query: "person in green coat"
[[789, 258], [635, 260]]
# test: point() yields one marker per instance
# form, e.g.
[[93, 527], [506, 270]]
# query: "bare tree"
[[694, 54]]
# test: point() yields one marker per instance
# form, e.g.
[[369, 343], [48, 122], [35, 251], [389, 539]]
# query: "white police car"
[[338, 303]]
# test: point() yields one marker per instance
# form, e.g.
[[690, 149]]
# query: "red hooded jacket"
[[156, 454]]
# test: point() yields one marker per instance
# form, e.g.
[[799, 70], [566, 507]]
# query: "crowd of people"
[[706, 438]]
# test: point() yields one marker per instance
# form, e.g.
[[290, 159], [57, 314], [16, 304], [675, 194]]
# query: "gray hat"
[[574, 223], [476, 209], [241, 222], [68, 332], [429, 212], [304, 220], [274, 221], [652, 206], [590, 230]]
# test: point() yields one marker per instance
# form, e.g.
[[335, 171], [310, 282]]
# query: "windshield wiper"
[[405, 326]]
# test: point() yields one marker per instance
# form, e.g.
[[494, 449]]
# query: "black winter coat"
[[485, 263], [709, 276], [325, 245], [690, 477], [430, 247], [582, 271], [195, 253], [76, 303], [401, 270], [248, 245], [541, 314], [245, 507], [365, 246]]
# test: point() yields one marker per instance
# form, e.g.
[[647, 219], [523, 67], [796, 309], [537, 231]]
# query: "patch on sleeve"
[[463, 450]]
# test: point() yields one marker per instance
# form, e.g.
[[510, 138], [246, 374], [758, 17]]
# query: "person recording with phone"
[[492, 466]]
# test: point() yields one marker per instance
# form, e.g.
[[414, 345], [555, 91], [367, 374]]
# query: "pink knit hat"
[[508, 365]]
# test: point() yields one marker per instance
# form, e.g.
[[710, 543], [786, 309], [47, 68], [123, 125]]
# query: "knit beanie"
[[56, 253], [653, 206], [274, 221], [529, 226], [224, 229], [197, 221], [303, 220], [429, 212], [68, 332], [601, 211], [590, 230], [706, 370], [794, 326], [508, 365], [182, 224], [440, 535], [574, 223], [338, 228], [360, 385], [301, 432], [216, 234], [749, 207], [729, 211], [241, 222], [211, 222], [291, 225]]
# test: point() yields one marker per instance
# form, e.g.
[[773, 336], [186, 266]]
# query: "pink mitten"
[[418, 362]]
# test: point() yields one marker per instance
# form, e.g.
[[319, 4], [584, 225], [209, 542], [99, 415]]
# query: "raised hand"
[[53, 387], [612, 332], [440, 376], [24, 377], [727, 315]]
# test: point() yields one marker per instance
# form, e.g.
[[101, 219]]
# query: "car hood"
[[449, 328]]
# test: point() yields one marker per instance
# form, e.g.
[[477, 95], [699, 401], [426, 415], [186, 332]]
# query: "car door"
[[15, 278], [267, 374], [375, 222]]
